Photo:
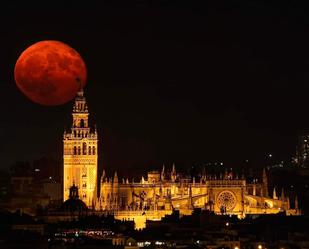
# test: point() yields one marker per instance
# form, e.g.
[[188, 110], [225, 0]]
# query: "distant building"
[[28, 194], [301, 158], [52, 189]]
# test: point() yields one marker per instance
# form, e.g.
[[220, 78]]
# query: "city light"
[[159, 243]]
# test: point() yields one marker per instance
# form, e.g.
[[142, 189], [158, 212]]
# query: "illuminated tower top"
[[80, 125], [80, 102]]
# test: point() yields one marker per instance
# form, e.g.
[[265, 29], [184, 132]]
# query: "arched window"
[[78, 134], [74, 150], [74, 133], [84, 148], [93, 150], [89, 150], [82, 123], [78, 150]]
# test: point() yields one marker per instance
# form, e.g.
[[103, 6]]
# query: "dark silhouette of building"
[[74, 205]]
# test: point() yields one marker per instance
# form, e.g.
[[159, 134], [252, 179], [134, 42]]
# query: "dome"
[[73, 204]]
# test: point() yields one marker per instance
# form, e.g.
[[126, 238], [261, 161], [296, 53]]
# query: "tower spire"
[[163, 173], [80, 104], [173, 173], [275, 194], [103, 176], [282, 194], [115, 180], [265, 183], [173, 168]]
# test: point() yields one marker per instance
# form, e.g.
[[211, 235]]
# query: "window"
[[82, 123], [89, 150], [84, 172], [93, 150], [84, 148], [75, 151], [78, 150]]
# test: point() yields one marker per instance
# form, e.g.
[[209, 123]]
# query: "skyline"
[[174, 88]]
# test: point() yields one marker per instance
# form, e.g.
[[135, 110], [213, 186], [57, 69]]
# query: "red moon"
[[50, 72]]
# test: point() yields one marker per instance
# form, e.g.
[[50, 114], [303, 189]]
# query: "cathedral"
[[160, 192]]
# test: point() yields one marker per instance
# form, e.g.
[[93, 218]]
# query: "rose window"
[[226, 200]]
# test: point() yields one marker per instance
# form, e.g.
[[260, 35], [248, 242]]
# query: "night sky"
[[167, 81]]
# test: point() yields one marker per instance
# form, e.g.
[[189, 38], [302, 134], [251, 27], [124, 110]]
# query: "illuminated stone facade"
[[80, 157], [161, 192], [165, 191]]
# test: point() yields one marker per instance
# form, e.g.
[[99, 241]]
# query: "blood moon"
[[50, 72]]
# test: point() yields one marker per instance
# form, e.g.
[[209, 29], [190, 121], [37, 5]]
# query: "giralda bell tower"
[[80, 154]]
